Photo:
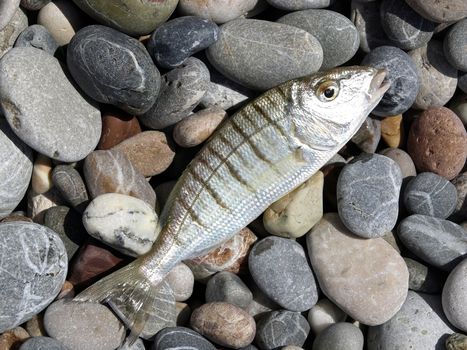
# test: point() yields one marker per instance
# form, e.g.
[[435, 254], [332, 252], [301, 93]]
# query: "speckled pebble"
[[454, 297], [228, 287], [324, 314], [180, 338], [42, 343], [339, 336], [425, 279], [181, 280]]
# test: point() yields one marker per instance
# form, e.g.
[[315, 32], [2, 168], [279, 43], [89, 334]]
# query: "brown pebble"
[[35, 326], [392, 130], [12, 339], [117, 126], [224, 324], [67, 291], [437, 142], [150, 152]]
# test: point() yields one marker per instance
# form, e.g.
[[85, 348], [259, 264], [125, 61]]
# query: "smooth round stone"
[[280, 328], [8, 9], [438, 79], [15, 169], [460, 182], [339, 336], [430, 194], [440, 11], [180, 338], [456, 341], [260, 54], [454, 297], [323, 315], [462, 81], [440, 243], [113, 68], [41, 343], [117, 126], [437, 142], [280, 268], [368, 195], [228, 287], [368, 136], [176, 40], [369, 293], [296, 5], [68, 181], [39, 37], [37, 255], [454, 42], [34, 5], [403, 76], [404, 26], [423, 278], [181, 90], [419, 325], [181, 280], [125, 223], [9, 34], [224, 324], [83, 325], [392, 130], [132, 17], [335, 32], [43, 107]]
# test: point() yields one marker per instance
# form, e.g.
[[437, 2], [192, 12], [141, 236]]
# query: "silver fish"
[[264, 151]]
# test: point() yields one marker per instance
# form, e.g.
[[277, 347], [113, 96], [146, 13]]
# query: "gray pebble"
[[181, 90], [368, 195], [454, 297], [296, 5], [339, 336], [12, 30], [430, 194], [424, 278], [462, 81], [440, 11], [440, 243], [180, 338], [42, 343], [261, 303], [402, 158], [32, 271], [228, 287], [8, 9], [39, 37], [70, 184], [368, 136], [279, 267], [403, 76], [455, 43], [34, 5], [460, 182]]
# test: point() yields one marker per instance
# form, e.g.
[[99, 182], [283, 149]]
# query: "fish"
[[265, 150]]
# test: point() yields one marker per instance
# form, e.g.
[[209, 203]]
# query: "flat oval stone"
[[296, 5], [440, 11], [279, 267], [454, 297], [454, 41], [34, 5], [181, 280], [70, 184], [37, 254], [42, 343], [440, 243], [180, 338], [339, 336], [260, 54], [39, 37], [132, 17], [335, 32], [369, 293], [117, 126], [323, 315], [113, 68], [423, 278], [49, 114], [228, 287], [12, 30]]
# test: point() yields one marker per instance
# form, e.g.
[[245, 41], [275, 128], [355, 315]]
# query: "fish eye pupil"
[[329, 92]]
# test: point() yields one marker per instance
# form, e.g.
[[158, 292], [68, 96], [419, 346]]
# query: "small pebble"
[[34, 5], [440, 11], [323, 315], [41, 180], [228, 287], [454, 45], [9, 34], [456, 341], [35, 326], [39, 37], [368, 136], [339, 336], [41, 343], [454, 297], [460, 182], [8, 9], [180, 338], [181, 280], [68, 181], [117, 126], [424, 278], [392, 130], [13, 338], [38, 204]]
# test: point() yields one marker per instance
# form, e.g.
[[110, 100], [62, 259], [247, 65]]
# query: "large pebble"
[[323, 315], [228, 287], [39, 37], [12, 30], [368, 292], [68, 181], [32, 271], [44, 109], [180, 338], [34, 5], [117, 126], [279, 267], [460, 182], [295, 5], [113, 68], [440, 243], [335, 32], [42, 343], [454, 297], [454, 45], [260, 54], [8, 9], [339, 336], [181, 280], [423, 278], [368, 136], [440, 11]]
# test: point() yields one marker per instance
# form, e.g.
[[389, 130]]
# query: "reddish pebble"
[[117, 126]]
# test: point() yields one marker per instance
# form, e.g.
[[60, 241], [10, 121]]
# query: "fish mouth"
[[378, 85]]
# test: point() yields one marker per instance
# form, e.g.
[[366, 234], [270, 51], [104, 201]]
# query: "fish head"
[[332, 105]]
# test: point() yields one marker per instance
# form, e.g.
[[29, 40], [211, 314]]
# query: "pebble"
[[456, 341], [260, 303], [272, 54], [183, 312], [38, 254], [113, 68], [280, 328], [424, 278], [323, 315], [35, 326], [437, 142], [83, 325], [454, 297], [111, 171], [41, 180], [404, 26], [176, 40], [181, 280], [224, 323], [462, 81], [460, 182], [440, 11], [117, 126], [8, 9], [336, 33], [181, 90], [68, 181], [198, 127], [137, 345], [294, 214], [280, 268], [438, 242], [369, 293], [34, 5], [125, 223], [13, 338], [150, 152], [454, 42], [296, 5], [368, 136], [369, 205], [39, 37], [42, 343], [392, 130], [15, 169], [459, 106], [181, 338], [403, 76], [38, 204], [228, 287], [438, 79], [12, 30], [419, 325], [339, 336]]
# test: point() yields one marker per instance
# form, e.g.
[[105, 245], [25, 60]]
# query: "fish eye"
[[328, 91]]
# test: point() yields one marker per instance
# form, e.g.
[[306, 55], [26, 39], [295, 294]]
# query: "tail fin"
[[129, 287]]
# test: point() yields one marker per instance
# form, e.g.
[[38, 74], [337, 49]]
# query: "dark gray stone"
[[34, 5], [336, 33], [455, 43], [71, 186], [280, 328], [460, 182], [113, 68], [12, 30], [430, 194], [279, 267], [405, 27], [462, 81], [296, 5], [176, 40], [42, 343], [368, 195], [403, 76], [8, 9], [39, 37], [33, 267], [423, 278], [339, 336], [181, 90], [368, 136], [227, 286], [440, 243], [180, 338]]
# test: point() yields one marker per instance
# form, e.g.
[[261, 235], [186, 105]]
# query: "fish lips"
[[378, 86]]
